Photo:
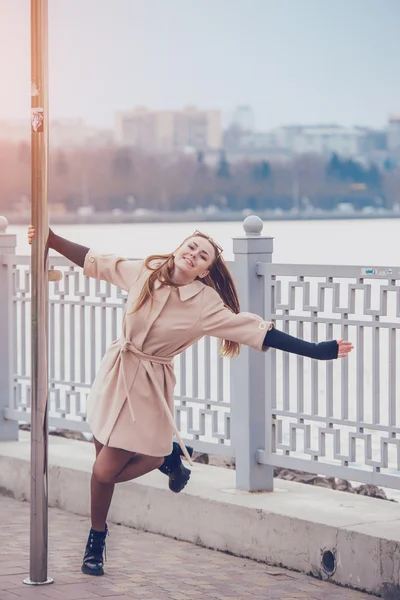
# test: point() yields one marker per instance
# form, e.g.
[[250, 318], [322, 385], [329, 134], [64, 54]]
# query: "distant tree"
[[349, 170], [122, 162], [389, 164], [223, 169], [353, 171], [333, 167], [373, 177], [261, 171], [391, 187]]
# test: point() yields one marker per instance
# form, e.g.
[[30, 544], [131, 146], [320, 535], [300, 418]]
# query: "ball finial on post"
[[3, 225], [253, 226]]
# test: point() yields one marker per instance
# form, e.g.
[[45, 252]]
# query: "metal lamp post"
[[39, 391]]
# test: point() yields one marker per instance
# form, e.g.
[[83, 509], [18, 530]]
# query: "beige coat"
[[130, 405]]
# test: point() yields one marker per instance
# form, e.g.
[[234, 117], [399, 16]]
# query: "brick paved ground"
[[142, 566]]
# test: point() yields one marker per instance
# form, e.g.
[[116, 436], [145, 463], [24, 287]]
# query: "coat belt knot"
[[147, 360]]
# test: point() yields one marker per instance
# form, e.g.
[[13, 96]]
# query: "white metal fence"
[[340, 416], [336, 418]]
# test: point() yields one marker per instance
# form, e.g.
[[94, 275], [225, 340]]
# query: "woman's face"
[[194, 257]]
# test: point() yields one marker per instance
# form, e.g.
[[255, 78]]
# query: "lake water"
[[358, 242]]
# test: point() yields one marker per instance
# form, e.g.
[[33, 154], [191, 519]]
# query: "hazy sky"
[[304, 61]]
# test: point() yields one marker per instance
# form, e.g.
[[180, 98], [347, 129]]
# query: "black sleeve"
[[288, 343], [74, 252]]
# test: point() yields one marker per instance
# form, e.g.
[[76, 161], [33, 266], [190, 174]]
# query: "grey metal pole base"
[[29, 581]]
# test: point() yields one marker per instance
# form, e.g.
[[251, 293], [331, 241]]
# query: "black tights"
[[114, 465]]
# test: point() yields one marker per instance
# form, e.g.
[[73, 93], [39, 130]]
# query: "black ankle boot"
[[93, 559], [173, 467]]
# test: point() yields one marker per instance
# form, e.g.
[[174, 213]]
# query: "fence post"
[[248, 377], [8, 243]]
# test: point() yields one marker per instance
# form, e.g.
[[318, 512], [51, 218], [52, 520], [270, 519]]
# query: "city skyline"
[[112, 128], [291, 62]]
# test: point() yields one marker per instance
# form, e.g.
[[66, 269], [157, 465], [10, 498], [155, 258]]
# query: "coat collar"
[[185, 291]]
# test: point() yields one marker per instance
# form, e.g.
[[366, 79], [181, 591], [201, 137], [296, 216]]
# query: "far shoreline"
[[111, 217]]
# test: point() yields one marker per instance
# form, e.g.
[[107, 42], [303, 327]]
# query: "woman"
[[173, 301]]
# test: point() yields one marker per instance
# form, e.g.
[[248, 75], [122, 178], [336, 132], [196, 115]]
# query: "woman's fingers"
[[344, 348], [31, 233]]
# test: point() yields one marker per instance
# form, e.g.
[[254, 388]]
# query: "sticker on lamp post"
[[37, 120]]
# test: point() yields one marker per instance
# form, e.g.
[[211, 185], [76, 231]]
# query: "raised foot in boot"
[[93, 559], [172, 467]]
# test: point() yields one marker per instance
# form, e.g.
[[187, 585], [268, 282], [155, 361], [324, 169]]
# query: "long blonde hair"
[[219, 278]]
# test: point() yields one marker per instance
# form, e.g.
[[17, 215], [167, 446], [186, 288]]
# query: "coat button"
[[263, 325], [92, 259]]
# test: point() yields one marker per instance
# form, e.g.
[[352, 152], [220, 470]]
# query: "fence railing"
[[336, 418], [339, 413], [85, 316]]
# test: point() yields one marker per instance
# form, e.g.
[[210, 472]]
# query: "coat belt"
[[147, 360]]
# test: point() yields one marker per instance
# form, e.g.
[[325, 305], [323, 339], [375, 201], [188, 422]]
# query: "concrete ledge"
[[290, 527]]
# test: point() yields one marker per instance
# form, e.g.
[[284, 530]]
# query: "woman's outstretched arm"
[[320, 351], [115, 269], [74, 252], [250, 329]]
